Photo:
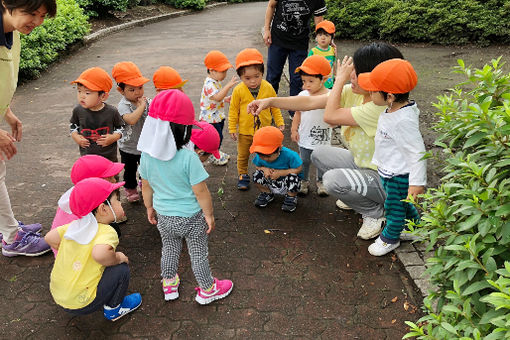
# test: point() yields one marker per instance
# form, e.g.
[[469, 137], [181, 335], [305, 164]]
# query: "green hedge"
[[41, 47], [435, 21], [95, 8]]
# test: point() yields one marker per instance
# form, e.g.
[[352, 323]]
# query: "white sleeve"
[[410, 142]]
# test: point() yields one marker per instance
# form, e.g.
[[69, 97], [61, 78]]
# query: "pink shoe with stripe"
[[219, 290], [171, 288]]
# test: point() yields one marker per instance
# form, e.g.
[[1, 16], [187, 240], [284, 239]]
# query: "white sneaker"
[[371, 227], [341, 205], [380, 248], [221, 161], [304, 188], [321, 190]]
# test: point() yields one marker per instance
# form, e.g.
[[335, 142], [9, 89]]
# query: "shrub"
[[468, 217], [101, 8], [193, 4], [41, 47]]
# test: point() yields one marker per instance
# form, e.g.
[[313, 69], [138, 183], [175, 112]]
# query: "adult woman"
[[349, 173], [17, 16]]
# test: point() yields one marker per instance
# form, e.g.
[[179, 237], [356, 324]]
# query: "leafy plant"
[[467, 218], [102, 8]]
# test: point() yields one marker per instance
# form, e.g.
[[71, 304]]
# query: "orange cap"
[[249, 56], [391, 76], [166, 78], [128, 73], [217, 61], [95, 79], [315, 64], [326, 25], [266, 140]]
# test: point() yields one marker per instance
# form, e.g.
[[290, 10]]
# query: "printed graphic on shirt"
[[292, 17], [211, 111], [320, 135]]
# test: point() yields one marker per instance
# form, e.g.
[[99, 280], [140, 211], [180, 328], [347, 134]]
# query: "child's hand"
[[275, 174], [142, 101], [415, 190], [210, 222], [344, 69], [294, 135], [106, 140], [227, 99], [281, 127], [121, 257], [151, 216], [233, 81], [80, 140], [234, 136]]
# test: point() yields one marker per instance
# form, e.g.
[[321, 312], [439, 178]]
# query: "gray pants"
[[193, 229], [359, 188], [305, 155]]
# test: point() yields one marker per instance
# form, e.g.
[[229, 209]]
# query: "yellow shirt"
[[239, 120], [75, 274], [360, 139], [9, 66]]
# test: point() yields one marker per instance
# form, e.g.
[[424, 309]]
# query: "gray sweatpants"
[[193, 229], [359, 188]]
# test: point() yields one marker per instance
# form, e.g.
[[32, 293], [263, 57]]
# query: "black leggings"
[[130, 166]]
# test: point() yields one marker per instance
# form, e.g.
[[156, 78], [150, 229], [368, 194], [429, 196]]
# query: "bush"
[[468, 217], [193, 4], [435, 21], [101, 8], [41, 47]]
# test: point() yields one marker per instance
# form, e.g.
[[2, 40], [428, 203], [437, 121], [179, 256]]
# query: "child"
[[85, 167], [308, 127], [324, 35], [241, 124], [214, 96], [206, 141], [278, 169], [133, 108], [174, 189], [95, 126], [166, 78], [399, 147], [88, 274]]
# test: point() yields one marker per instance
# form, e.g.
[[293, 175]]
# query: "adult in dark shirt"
[[286, 33]]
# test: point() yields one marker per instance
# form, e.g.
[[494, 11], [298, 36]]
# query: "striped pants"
[[397, 211], [193, 229]]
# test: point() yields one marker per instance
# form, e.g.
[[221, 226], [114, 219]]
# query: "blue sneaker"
[[243, 183], [129, 304]]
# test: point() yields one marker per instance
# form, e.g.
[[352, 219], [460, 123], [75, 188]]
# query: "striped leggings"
[[397, 211], [193, 229]]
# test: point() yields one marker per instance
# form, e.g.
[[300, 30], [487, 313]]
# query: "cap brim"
[[117, 185], [216, 154], [266, 150], [178, 86], [137, 81], [306, 70], [88, 84], [366, 83], [115, 169], [248, 63], [223, 67]]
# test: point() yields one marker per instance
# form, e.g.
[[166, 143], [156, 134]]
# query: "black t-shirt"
[[93, 124], [291, 22]]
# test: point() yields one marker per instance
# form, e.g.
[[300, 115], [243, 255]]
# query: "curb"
[[142, 22]]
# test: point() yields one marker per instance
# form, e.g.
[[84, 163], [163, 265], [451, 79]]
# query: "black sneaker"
[[289, 203], [263, 199], [243, 183]]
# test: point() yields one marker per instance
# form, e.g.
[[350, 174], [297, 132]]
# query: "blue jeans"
[[219, 128], [276, 57]]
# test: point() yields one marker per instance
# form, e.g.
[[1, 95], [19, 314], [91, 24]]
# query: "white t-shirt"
[[313, 131], [399, 145]]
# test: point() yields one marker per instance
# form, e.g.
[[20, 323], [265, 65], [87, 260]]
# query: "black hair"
[[303, 73], [323, 31], [115, 192], [366, 58], [399, 97], [205, 153], [268, 155], [240, 71], [100, 93], [29, 6], [122, 86], [182, 134]]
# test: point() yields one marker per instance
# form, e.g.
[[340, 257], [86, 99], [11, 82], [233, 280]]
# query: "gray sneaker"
[[27, 244], [289, 203]]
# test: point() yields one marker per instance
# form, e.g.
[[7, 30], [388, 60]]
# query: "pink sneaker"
[[171, 289], [132, 195], [219, 290]]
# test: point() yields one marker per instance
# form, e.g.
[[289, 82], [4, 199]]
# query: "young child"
[[85, 167], [214, 96], [166, 78], [176, 195], [308, 127], [133, 108], [95, 126], [278, 169], [88, 273], [241, 124], [399, 147], [206, 141], [324, 35]]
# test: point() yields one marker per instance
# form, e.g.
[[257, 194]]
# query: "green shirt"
[[329, 54]]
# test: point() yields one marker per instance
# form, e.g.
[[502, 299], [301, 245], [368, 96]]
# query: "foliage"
[[41, 47], [94, 8], [467, 219], [436, 21], [193, 4]]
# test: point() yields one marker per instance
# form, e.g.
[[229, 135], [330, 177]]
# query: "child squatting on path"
[[132, 107], [308, 127], [324, 35], [95, 126], [278, 169], [241, 124], [399, 147], [176, 195], [88, 274]]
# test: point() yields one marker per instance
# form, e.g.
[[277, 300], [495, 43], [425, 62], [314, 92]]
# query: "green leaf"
[[469, 222], [503, 210], [475, 287], [449, 328]]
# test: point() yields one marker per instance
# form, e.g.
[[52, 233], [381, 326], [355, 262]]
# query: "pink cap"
[[207, 138], [173, 106], [89, 193], [94, 166]]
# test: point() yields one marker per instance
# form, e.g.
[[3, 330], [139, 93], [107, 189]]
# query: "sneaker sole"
[[171, 296], [12, 254], [264, 205], [132, 310], [207, 301], [288, 210], [386, 251], [242, 188], [369, 236]]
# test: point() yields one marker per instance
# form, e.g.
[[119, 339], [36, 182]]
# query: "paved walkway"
[[310, 278]]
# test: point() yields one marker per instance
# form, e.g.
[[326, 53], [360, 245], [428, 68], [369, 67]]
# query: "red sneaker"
[[219, 290]]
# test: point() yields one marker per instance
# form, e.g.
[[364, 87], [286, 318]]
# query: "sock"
[[110, 308], [209, 289], [173, 281]]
